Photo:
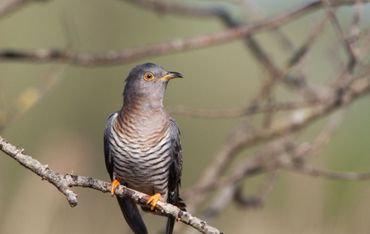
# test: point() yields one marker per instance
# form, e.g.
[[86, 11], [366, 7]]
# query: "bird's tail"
[[171, 220], [170, 225], [132, 215]]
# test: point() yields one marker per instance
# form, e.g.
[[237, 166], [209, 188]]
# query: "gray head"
[[147, 81]]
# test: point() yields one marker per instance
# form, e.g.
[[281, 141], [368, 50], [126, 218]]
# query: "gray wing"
[[107, 154], [174, 178], [128, 207]]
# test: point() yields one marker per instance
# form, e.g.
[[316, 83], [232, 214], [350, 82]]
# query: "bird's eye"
[[148, 76]]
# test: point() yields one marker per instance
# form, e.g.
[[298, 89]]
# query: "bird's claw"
[[153, 200], [115, 184]]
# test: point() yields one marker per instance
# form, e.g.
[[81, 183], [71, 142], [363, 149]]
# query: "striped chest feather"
[[141, 160]]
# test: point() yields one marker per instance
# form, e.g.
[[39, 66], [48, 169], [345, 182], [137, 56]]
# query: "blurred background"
[[63, 121]]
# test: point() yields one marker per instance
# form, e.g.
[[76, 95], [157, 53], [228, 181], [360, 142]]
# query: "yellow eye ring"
[[148, 76]]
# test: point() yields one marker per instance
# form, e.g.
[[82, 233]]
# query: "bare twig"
[[64, 182], [356, 19], [244, 111], [354, 30], [304, 48], [334, 20], [327, 174]]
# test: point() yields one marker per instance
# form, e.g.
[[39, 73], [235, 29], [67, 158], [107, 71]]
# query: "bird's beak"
[[170, 76]]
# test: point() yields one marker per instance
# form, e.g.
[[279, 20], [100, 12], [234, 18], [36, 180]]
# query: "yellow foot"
[[115, 184], [153, 200]]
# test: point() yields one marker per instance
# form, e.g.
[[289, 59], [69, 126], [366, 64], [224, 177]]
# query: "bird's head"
[[148, 81]]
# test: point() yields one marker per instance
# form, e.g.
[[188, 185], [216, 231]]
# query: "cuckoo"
[[142, 145]]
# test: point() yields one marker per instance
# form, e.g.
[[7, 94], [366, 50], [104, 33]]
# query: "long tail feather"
[[170, 225], [132, 215]]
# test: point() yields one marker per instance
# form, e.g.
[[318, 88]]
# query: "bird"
[[142, 145]]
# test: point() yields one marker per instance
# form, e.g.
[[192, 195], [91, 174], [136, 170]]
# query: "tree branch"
[[244, 111], [64, 183], [178, 45]]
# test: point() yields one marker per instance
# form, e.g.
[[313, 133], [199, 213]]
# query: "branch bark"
[[64, 183]]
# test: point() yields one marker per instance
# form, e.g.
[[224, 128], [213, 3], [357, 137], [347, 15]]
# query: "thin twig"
[[334, 20], [243, 111], [305, 47], [327, 174]]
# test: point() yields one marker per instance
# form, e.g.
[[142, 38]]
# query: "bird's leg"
[[153, 200], [115, 184]]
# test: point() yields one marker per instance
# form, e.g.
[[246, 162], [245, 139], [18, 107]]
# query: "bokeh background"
[[64, 129]]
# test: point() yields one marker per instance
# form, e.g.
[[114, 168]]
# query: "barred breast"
[[140, 160]]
